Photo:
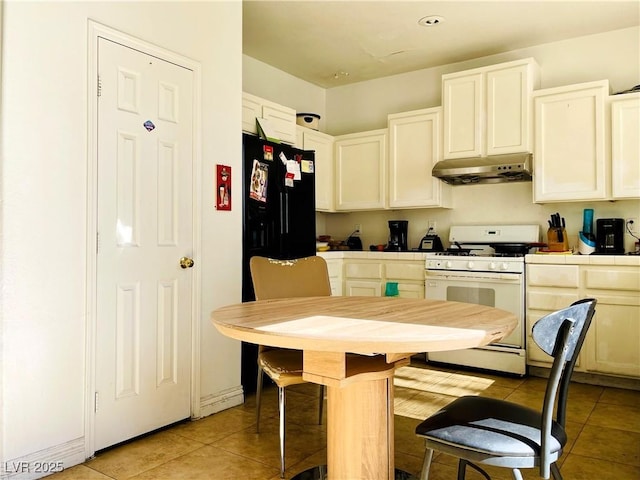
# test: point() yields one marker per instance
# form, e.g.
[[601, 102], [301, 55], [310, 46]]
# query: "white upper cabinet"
[[360, 163], [414, 148], [625, 145], [570, 157], [487, 110], [322, 144], [281, 119]]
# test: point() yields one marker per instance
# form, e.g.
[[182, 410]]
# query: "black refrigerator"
[[279, 218]]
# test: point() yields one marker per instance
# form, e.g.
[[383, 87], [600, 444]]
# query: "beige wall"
[[43, 216]]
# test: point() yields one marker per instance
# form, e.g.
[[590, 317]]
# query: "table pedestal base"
[[320, 473], [360, 429]]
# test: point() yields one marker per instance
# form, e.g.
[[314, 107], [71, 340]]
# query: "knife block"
[[557, 240]]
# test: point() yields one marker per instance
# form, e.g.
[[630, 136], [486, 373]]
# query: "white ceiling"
[[315, 40]]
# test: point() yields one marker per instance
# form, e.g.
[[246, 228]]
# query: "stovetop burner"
[[458, 253]]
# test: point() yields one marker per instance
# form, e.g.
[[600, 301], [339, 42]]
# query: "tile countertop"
[[630, 260], [368, 254], [559, 259]]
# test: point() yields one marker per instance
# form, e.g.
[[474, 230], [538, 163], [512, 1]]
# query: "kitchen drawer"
[[404, 271], [553, 275], [610, 278], [363, 270], [551, 300]]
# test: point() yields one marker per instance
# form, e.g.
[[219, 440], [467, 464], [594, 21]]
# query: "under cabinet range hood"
[[513, 167]]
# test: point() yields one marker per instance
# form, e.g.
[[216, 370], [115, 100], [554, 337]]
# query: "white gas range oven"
[[485, 266]]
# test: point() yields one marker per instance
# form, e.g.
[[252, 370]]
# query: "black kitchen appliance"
[[354, 243], [397, 236], [431, 243], [279, 221], [610, 236]]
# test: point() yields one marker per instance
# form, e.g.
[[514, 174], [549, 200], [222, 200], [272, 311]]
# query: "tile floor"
[[603, 427]]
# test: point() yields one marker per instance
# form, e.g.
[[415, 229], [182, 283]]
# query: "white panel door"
[[144, 296]]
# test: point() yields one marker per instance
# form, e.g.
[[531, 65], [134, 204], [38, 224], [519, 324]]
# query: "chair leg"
[[281, 405], [462, 464], [555, 472], [321, 404], [258, 398], [426, 464], [517, 475], [462, 469]]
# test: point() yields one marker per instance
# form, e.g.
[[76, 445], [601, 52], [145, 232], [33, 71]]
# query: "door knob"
[[186, 262]]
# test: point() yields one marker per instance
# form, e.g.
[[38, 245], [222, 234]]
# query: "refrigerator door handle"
[[282, 215], [286, 217]]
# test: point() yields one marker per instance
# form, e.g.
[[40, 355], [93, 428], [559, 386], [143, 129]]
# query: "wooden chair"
[[303, 277], [488, 431]]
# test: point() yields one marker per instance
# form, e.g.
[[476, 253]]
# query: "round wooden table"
[[353, 345]]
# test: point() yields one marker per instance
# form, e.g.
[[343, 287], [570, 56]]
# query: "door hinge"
[[95, 402], [99, 86]]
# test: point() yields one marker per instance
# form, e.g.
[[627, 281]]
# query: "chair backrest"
[[301, 277], [561, 335]]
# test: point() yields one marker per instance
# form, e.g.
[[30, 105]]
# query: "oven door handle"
[[475, 277]]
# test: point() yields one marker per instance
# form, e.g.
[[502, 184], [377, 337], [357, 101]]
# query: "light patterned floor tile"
[[209, 463], [609, 444], [79, 472], [622, 417], [131, 459], [578, 467]]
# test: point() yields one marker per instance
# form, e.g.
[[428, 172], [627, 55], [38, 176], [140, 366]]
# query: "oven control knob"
[[448, 264], [504, 266], [470, 265], [492, 266]]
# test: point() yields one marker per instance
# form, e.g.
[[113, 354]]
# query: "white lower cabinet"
[[612, 344], [363, 278], [369, 277], [549, 288]]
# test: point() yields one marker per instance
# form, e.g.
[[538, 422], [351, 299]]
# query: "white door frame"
[[96, 31]]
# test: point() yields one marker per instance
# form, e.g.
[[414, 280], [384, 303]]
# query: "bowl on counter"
[[322, 246]]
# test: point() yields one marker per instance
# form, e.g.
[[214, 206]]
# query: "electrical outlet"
[[357, 228], [632, 225], [431, 225]]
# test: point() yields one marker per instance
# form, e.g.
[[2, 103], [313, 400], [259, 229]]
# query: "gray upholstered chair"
[[303, 277], [488, 431]]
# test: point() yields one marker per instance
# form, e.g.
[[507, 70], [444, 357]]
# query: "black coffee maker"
[[610, 236], [397, 236]]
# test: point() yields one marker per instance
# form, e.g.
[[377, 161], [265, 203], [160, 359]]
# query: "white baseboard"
[[221, 401], [44, 462]]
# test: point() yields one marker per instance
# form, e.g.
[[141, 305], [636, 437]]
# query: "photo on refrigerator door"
[[258, 184]]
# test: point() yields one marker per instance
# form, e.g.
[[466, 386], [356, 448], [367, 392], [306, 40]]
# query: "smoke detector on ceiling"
[[431, 20]]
